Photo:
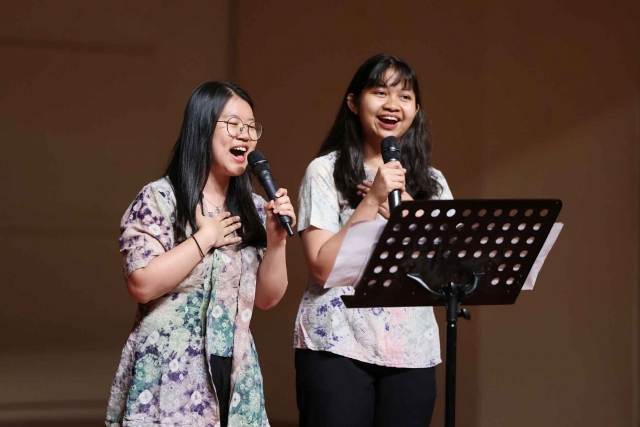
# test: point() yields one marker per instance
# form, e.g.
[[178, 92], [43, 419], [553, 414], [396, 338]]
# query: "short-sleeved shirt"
[[164, 378], [405, 337]]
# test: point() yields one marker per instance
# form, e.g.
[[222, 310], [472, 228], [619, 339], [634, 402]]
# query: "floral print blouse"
[[163, 378], [404, 337]]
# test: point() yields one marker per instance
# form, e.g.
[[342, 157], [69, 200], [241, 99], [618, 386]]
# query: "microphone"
[[260, 168], [391, 151]]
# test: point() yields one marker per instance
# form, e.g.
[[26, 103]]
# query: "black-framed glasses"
[[235, 127]]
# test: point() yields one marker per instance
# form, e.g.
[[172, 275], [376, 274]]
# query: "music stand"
[[449, 252]]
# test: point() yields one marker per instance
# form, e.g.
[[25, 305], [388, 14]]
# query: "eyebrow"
[[405, 88], [230, 116]]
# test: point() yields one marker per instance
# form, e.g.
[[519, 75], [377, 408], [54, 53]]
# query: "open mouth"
[[388, 121], [238, 153]]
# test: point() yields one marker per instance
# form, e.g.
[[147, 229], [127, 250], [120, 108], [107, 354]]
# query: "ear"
[[352, 106], [417, 111]]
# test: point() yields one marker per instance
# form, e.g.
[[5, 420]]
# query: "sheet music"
[[354, 253], [537, 265], [363, 236]]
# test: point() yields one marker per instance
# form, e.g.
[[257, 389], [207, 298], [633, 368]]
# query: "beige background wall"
[[528, 99], [561, 116], [92, 100]]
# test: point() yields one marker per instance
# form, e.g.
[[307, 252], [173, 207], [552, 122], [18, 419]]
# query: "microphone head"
[[257, 161], [390, 148]]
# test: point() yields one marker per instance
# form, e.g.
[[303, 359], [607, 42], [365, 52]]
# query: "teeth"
[[240, 149], [395, 119]]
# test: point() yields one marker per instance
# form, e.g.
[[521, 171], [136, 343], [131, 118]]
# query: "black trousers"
[[336, 391], [221, 378]]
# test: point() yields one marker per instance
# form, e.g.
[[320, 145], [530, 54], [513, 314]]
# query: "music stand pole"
[[451, 304]]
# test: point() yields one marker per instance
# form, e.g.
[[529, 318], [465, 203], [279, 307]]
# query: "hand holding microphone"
[[389, 183], [284, 211], [383, 209], [390, 149]]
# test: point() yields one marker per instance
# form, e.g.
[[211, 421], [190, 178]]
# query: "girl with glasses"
[[365, 367], [199, 250]]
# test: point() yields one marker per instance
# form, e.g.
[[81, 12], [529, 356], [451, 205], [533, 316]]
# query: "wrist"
[[274, 242], [200, 251], [370, 201], [204, 240]]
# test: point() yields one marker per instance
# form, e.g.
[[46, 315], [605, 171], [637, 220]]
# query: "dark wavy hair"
[[345, 135], [190, 162]]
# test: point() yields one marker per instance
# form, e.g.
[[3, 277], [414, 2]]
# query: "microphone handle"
[[394, 196], [270, 188], [394, 200]]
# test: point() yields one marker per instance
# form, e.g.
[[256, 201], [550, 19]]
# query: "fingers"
[[391, 174], [405, 197], [232, 240], [286, 210], [281, 206], [281, 192], [226, 235], [389, 180], [364, 188], [394, 179], [283, 203], [229, 221], [231, 228], [268, 208], [290, 213], [222, 215], [229, 240], [392, 165]]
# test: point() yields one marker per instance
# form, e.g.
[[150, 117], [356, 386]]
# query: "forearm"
[[165, 272], [272, 279], [326, 257]]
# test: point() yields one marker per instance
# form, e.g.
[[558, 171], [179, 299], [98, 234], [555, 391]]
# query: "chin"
[[238, 170], [381, 136], [383, 133]]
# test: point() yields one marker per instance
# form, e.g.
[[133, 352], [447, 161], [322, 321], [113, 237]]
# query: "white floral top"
[[404, 337], [164, 378]]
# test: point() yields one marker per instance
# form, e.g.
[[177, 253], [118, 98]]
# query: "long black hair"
[[189, 166], [345, 135]]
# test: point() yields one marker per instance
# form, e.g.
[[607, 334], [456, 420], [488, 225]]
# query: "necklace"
[[214, 207]]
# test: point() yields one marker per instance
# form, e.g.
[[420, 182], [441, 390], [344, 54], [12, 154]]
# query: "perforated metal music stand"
[[449, 252]]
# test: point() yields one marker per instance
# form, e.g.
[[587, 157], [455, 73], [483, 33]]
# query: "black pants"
[[221, 377], [336, 391]]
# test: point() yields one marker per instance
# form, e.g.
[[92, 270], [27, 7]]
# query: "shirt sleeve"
[[445, 194], [318, 203], [146, 228]]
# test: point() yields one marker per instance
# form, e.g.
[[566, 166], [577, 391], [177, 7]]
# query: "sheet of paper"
[[354, 253], [537, 265], [363, 236]]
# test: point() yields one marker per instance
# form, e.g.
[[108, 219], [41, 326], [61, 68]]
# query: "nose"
[[391, 104], [244, 136]]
